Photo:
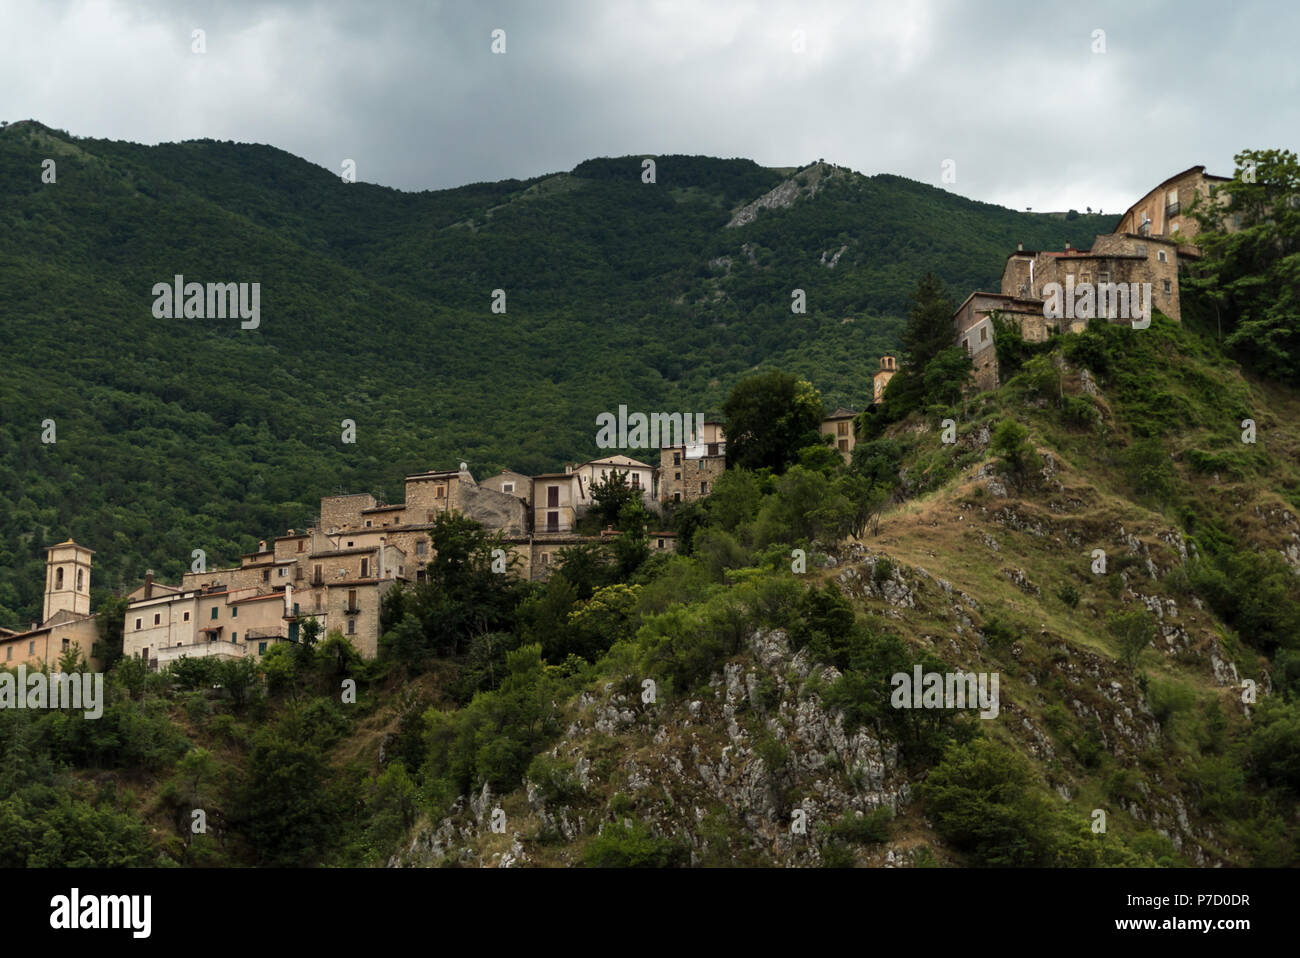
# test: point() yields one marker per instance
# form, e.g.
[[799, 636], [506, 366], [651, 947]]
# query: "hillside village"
[[339, 570]]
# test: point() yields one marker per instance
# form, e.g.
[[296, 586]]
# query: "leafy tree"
[[1250, 278], [1010, 441], [609, 495], [767, 418], [1134, 630]]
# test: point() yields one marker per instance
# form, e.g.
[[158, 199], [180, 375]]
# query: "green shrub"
[[872, 828], [634, 846]]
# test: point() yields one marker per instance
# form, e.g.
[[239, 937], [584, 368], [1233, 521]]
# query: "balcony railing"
[[1171, 209]]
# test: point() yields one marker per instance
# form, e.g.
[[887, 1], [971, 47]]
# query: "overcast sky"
[[1012, 93]]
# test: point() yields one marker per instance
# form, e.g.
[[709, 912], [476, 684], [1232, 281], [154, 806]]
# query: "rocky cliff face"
[[728, 773]]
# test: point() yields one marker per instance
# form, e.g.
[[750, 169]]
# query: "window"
[[636, 480], [704, 488], [284, 571], [440, 492], [261, 647], [137, 625], [9, 653], [266, 575], [234, 636], [187, 617], [677, 475], [552, 497], [350, 543], [58, 578], [301, 544], [701, 466], [31, 647], [352, 626], [844, 445], [65, 645], [1161, 256], [80, 580], [841, 429], [365, 567], [677, 459], [661, 543], [421, 547], [1103, 276], [507, 487], [368, 523], [234, 611], [1142, 249], [546, 558], [552, 522], [677, 496], [214, 613], [1168, 287], [157, 618], [984, 334]]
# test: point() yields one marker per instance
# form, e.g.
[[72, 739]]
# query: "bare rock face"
[[496, 510]]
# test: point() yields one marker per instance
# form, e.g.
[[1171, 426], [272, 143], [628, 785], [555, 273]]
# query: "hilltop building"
[[1163, 211], [67, 623], [1145, 249]]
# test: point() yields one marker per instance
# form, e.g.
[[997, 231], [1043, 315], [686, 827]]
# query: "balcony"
[[351, 609], [1171, 210]]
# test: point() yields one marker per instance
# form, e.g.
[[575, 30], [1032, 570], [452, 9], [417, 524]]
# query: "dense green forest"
[[179, 434]]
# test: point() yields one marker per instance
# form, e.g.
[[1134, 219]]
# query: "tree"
[[768, 418], [946, 376], [929, 323], [610, 494], [1010, 442], [1134, 630], [1251, 277]]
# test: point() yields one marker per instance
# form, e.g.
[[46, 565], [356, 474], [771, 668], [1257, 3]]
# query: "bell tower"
[[67, 579]]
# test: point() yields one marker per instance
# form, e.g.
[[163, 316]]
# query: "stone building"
[[688, 472], [1164, 210], [66, 623]]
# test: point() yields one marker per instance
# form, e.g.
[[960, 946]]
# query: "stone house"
[[687, 472], [1163, 210]]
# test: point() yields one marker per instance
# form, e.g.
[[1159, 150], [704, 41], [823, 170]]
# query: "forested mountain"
[[176, 434]]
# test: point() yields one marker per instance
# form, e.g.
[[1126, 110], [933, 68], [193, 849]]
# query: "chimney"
[[288, 601], [290, 532], [148, 583], [1020, 247], [261, 545], [1067, 247], [568, 468]]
